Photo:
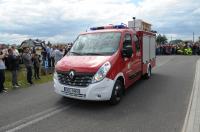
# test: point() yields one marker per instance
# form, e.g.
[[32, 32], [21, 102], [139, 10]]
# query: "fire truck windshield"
[[105, 43]]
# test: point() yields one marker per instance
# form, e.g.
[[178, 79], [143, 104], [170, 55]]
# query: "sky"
[[60, 21]]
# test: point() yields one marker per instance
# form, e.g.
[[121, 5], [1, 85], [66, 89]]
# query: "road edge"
[[189, 122]]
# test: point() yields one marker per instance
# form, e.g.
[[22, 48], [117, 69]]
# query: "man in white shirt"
[[15, 51]]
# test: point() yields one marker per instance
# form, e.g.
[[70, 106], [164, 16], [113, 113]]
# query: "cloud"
[[7, 38], [61, 20]]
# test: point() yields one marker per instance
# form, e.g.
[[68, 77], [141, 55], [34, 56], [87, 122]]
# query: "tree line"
[[162, 39]]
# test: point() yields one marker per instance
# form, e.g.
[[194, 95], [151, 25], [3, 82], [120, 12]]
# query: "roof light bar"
[[122, 26]]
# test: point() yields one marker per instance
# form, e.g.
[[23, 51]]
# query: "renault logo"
[[71, 75]]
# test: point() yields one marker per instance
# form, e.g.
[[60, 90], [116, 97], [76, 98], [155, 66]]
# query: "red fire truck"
[[104, 62]]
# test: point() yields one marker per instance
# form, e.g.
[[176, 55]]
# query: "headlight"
[[102, 72], [55, 76]]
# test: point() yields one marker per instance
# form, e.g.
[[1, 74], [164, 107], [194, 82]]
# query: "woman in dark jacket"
[[13, 62]]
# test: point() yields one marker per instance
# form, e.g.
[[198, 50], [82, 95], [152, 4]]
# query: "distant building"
[[139, 25], [33, 43]]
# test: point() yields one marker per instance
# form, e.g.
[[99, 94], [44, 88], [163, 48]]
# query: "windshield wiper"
[[92, 54], [75, 53]]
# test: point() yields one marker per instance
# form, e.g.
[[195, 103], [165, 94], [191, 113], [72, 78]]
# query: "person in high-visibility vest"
[[187, 50]]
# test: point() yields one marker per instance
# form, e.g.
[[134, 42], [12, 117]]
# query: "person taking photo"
[[27, 60]]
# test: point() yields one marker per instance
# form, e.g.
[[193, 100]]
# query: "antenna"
[[134, 22]]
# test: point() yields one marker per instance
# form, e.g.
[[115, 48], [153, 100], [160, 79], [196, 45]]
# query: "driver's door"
[[128, 61]]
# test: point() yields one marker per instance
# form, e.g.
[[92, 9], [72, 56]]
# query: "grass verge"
[[22, 79]]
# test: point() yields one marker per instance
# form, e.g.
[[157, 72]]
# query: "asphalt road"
[[155, 105]]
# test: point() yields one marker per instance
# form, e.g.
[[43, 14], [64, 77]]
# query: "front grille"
[[80, 79]]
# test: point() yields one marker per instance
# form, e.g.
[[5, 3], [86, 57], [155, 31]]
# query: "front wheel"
[[117, 93]]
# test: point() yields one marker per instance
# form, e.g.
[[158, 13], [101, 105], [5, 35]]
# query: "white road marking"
[[190, 115], [18, 125], [27, 119]]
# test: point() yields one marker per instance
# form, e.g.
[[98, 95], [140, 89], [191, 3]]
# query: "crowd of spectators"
[[53, 53], [178, 49], [11, 58]]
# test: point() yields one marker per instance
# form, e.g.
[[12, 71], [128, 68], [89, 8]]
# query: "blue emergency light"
[[122, 26]]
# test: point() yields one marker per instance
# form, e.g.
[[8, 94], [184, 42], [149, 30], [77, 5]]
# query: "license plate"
[[71, 91]]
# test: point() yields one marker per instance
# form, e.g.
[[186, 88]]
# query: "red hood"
[[81, 63]]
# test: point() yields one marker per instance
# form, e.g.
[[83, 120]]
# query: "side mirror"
[[127, 50]]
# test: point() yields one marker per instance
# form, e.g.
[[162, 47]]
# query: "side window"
[[127, 37], [127, 41], [127, 50], [137, 44]]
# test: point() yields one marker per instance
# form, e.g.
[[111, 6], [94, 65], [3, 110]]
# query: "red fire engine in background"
[[104, 62]]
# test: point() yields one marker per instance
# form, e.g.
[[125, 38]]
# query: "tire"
[[148, 74], [117, 93]]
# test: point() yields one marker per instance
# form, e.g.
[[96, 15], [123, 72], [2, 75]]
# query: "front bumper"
[[97, 91]]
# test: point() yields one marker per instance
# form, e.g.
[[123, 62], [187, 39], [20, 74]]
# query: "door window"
[[137, 44], [127, 41]]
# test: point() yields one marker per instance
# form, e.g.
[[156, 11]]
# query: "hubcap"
[[117, 93]]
